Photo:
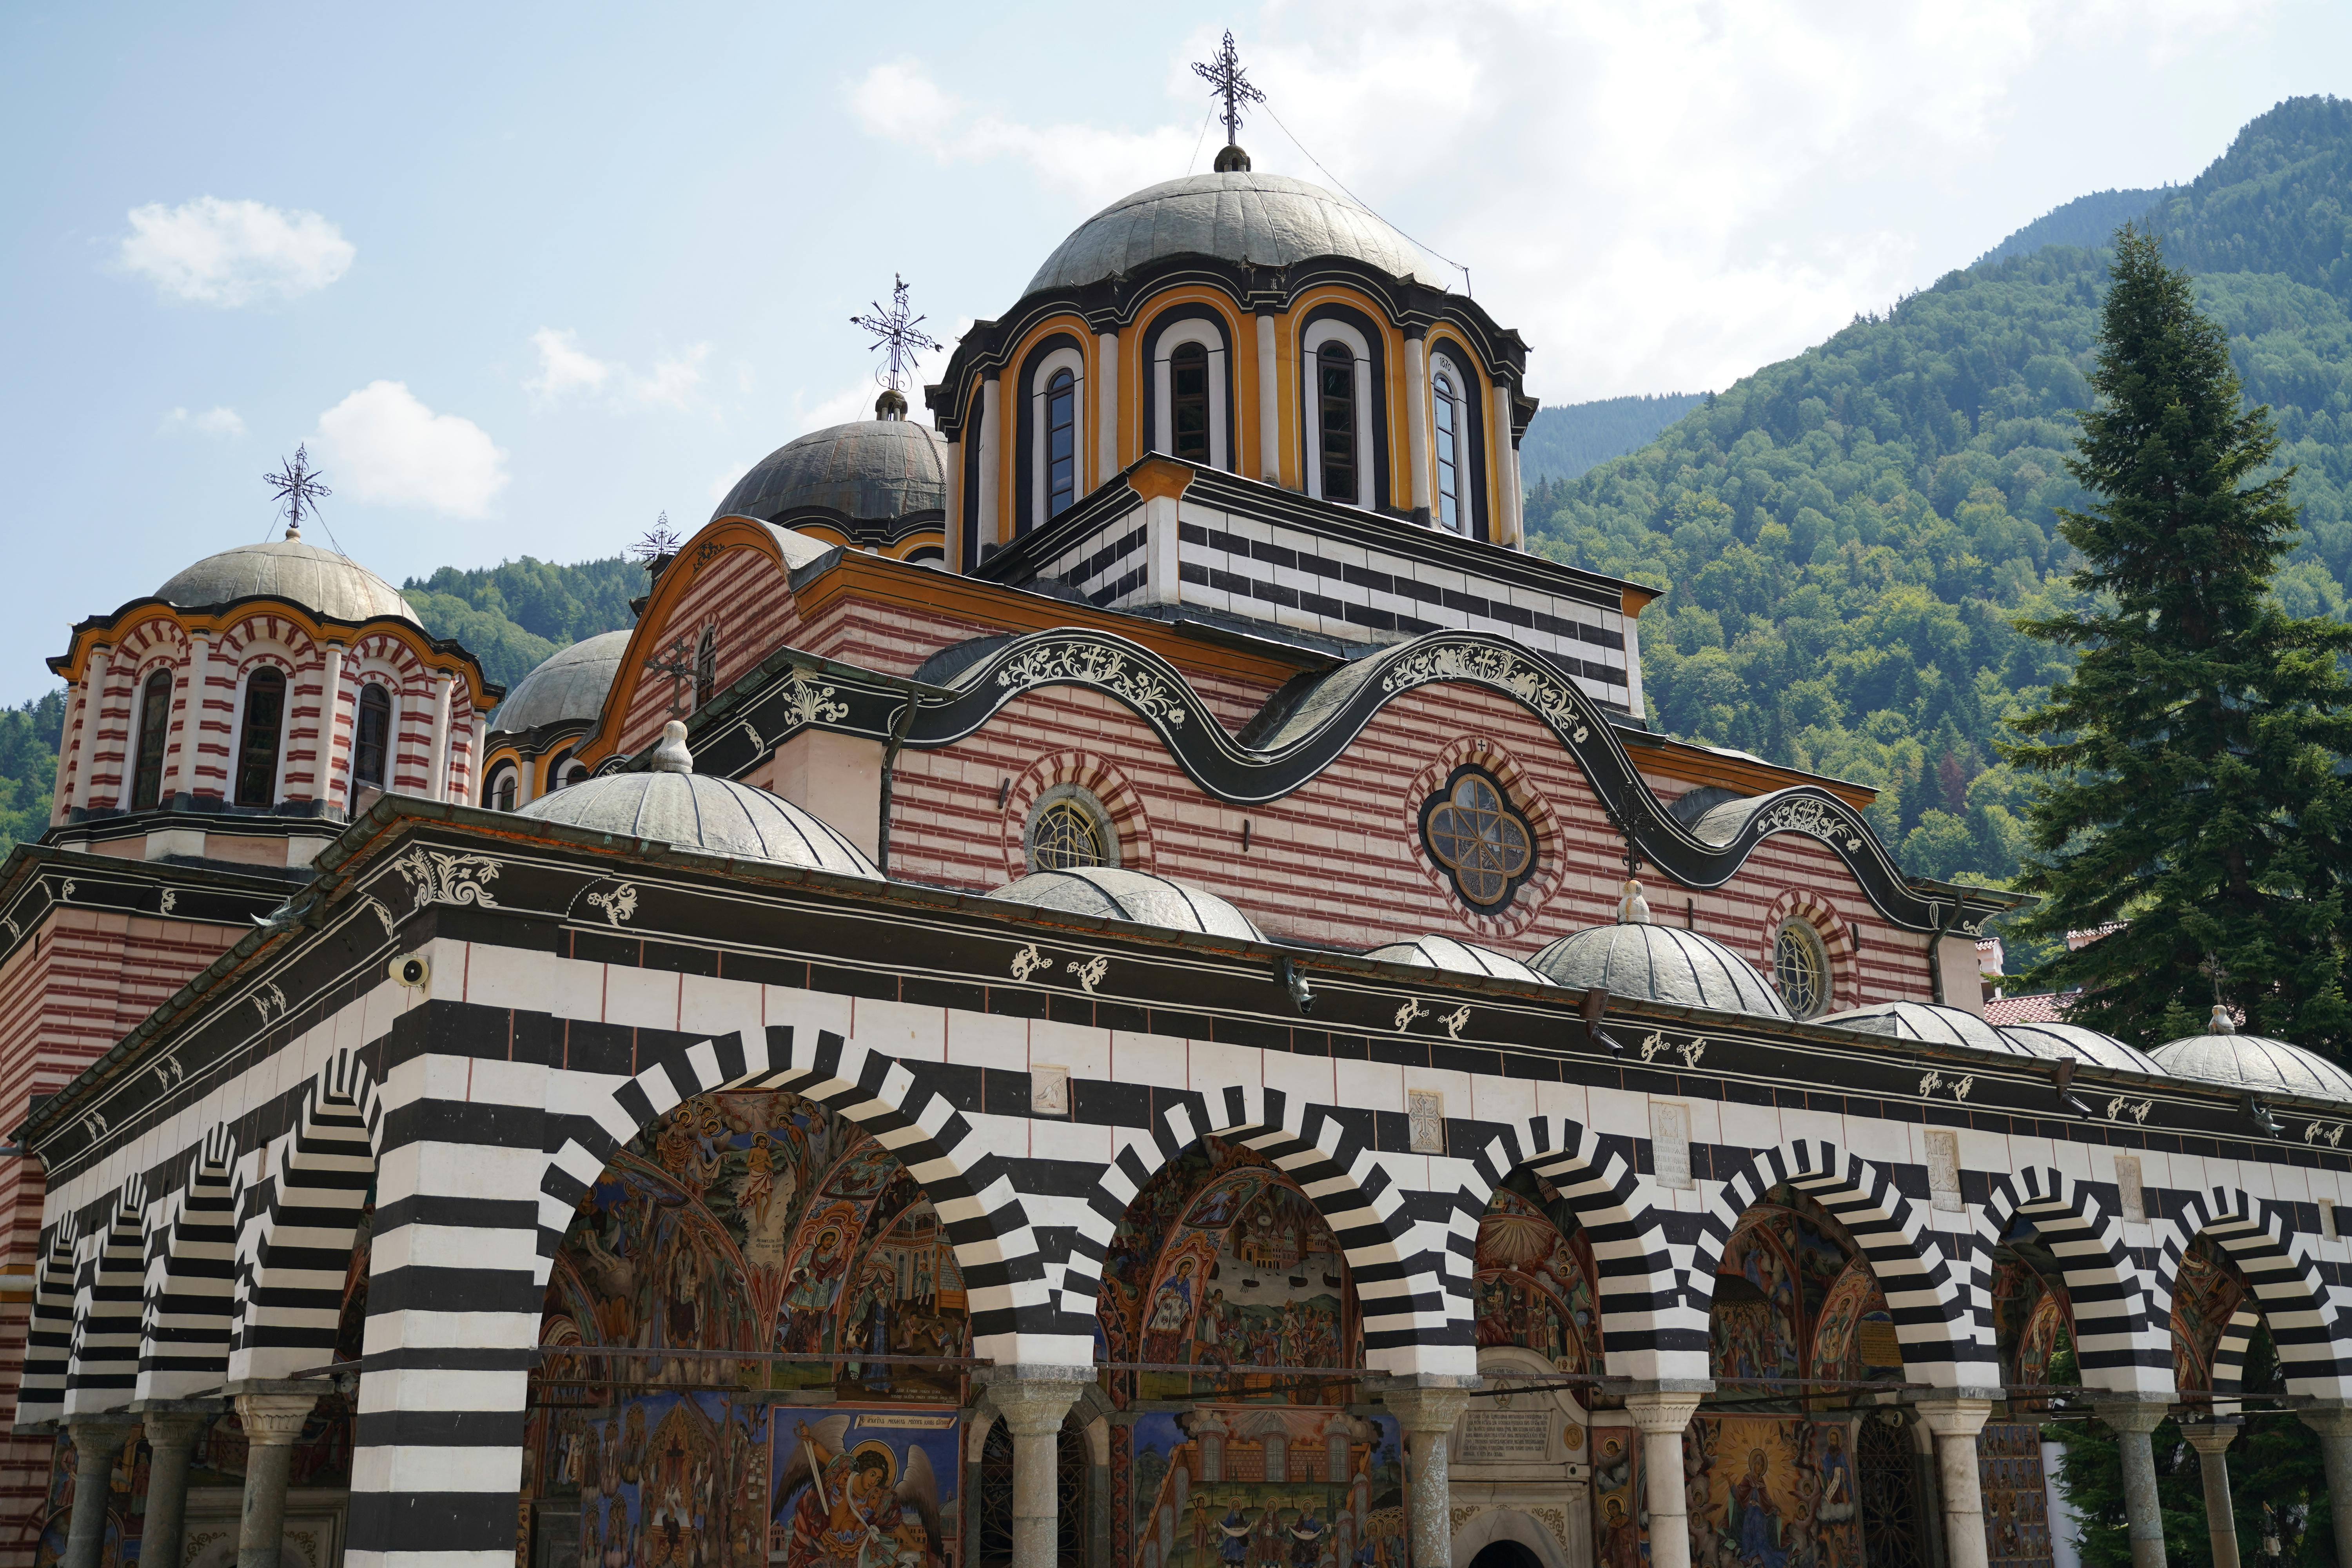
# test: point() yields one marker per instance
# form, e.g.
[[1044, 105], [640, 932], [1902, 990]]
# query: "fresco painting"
[[2030, 1314], [669, 1480], [1779, 1492], [868, 1487], [1535, 1283], [2207, 1293], [1794, 1299], [1621, 1521], [126, 1503], [1266, 1486]]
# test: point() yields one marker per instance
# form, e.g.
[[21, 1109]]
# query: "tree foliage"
[[512, 616], [1561, 443], [29, 734], [2190, 763]]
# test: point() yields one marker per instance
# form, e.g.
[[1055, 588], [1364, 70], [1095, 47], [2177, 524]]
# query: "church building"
[[1114, 976]]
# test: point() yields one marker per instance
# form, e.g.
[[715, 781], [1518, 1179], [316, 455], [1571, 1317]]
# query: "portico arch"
[[2284, 1284], [2120, 1344]]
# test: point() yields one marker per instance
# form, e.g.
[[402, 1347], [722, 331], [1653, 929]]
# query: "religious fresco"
[[1621, 1519], [1779, 1492], [2016, 1494], [1795, 1299], [1536, 1285], [1266, 1485], [2032, 1318], [2207, 1291], [758, 1223]]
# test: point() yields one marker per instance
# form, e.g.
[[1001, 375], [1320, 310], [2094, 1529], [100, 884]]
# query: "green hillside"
[[2086, 220], [513, 614], [1844, 536], [1561, 443]]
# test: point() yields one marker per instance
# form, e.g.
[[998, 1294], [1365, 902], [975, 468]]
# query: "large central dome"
[[870, 470], [321, 581], [1268, 219]]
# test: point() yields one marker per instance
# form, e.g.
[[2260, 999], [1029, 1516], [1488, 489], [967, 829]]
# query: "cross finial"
[[1222, 72], [660, 541], [298, 486], [898, 336], [679, 667]]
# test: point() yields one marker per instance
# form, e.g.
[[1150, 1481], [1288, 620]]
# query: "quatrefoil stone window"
[[1485, 847]]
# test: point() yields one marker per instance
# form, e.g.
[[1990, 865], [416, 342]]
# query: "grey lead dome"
[[321, 581], [867, 471], [1134, 895], [2253, 1064], [672, 805], [1268, 219], [1665, 963], [569, 686]]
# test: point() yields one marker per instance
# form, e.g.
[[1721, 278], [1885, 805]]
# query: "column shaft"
[[1416, 423], [2334, 1425], [1963, 1493], [93, 694], [171, 1444], [1427, 1411], [2211, 1440], [1508, 503], [272, 1422], [1269, 405], [192, 723], [1031, 1404], [2142, 1512], [990, 445], [1106, 406], [436, 766], [331, 784], [96, 1445]]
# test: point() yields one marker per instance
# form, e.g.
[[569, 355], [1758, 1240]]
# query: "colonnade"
[[272, 1417]]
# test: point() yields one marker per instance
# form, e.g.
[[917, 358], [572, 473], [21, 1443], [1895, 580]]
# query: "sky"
[[523, 278]]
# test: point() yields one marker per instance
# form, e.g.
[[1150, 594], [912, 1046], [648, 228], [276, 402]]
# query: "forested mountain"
[[1845, 535], [29, 765], [1561, 443], [2089, 220], [514, 614]]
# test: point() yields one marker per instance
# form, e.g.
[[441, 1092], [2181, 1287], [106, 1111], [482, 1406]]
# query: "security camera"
[[411, 970], [1294, 979]]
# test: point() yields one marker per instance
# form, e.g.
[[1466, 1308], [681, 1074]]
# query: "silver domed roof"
[[1929, 1024], [673, 805], [2057, 1042], [1135, 896], [321, 581], [2254, 1063], [568, 686], [1665, 963], [868, 470], [1458, 958], [1268, 219]]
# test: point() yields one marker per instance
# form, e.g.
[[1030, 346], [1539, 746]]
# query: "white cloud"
[[213, 252], [563, 366], [223, 423], [1660, 197], [674, 380], [386, 447]]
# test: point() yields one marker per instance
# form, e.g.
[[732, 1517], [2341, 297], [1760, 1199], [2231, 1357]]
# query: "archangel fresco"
[[1795, 1299], [763, 1224], [1221, 1262], [864, 1489], [1535, 1280], [2206, 1294]]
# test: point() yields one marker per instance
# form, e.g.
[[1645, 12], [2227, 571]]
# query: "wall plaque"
[[1504, 1437]]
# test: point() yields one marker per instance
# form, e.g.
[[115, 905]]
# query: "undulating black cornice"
[[37, 879]]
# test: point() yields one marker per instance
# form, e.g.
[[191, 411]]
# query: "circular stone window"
[[1068, 827], [1801, 967], [1469, 829]]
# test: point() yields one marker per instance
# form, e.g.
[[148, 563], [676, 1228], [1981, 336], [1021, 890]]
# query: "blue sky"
[[524, 278]]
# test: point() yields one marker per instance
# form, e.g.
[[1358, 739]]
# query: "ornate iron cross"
[[679, 667], [897, 334], [1222, 72], [298, 486]]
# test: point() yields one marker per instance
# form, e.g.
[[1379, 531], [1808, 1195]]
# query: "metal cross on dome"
[[1224, 74], [298, 486], [897, 334]]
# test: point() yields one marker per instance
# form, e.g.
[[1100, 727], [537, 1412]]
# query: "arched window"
[[1801, 965], [706, 668], [1452, 462], [1334, 419], [1061, 441], [257, 746], [499, 794], [1187, 401], [561, 770], [372, 737], [154, 732], [1069, 827]]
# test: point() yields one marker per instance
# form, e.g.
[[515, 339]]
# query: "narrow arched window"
[[501, 795], [1187, 401], [706, 668], [372, 737], [1335, 401], [1449, 451], [154, 732], [559, 770], [257, 745], [1061, 441]]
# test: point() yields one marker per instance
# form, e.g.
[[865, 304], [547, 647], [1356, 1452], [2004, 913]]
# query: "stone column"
[[191, 725], [1416, 418], [1031, 1400], [436, 766], [172, 1438], [991, 451], [2131, 1424], [1509, 503], [1106, 406], [272, 1422], [332, 782], [2334, 1425], [93, 694], [1269, 402], [1428, 1410], [98, 1443], [2212, 1439], [1662, 1412], [1954, 1423]]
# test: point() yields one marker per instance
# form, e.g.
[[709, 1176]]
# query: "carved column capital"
[[2211, 1436], [1427, 1406], [1033, 1400], [1951, 1417], [2130, 1415], [271, 1420], [175, 1428], [1664, 1407]]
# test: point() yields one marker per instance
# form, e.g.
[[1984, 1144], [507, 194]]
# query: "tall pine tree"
[[2192, 780]]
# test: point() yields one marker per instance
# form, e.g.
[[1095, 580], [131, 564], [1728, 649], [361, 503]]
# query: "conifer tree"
[[2191, 767]]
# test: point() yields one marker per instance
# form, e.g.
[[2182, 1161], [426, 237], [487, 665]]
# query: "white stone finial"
[[670, 755], [2222, 1024], [1633, 908]]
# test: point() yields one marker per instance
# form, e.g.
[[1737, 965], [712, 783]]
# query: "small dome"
[[1458, 958], [2057, 1042], [671, 803], [321, 581], [1929, 1024], [1135, 896], [569, 686], [1665, 963], [2253, 1064], [1268, 219], [869, 470]]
